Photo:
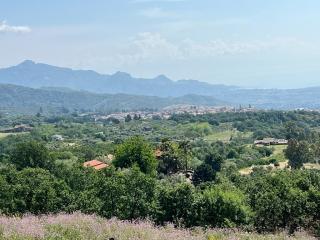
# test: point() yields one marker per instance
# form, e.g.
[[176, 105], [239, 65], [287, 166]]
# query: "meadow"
[[78, 226]]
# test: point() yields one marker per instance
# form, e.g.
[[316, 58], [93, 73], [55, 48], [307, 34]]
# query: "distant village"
[[123, 116], [167, 112]]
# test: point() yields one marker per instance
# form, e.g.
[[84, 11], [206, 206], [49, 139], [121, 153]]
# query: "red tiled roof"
[[92, 163], [96, 164], [100, 166]]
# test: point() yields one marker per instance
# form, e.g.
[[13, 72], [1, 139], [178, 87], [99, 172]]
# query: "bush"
[[224, 207]]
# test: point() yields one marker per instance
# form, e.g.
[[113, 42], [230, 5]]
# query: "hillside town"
[[167, 112]]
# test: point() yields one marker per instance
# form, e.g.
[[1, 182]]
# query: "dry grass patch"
[[85, 227]]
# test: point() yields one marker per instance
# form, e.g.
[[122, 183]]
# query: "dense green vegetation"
[[183, 170]]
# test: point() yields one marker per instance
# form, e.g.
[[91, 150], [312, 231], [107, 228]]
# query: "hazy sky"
[[252, 43]]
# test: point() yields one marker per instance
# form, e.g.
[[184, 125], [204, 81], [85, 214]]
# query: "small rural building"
[[271, 141], [96, 164], [57, 138], [147, 128], [18, 128]]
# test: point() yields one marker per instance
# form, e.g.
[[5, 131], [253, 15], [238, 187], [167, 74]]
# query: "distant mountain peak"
[[162, 78], [27, 63], [120, 74]]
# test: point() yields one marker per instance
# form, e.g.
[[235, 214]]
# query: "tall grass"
[[78, 226]]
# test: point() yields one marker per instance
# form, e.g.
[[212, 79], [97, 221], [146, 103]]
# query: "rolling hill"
[[19, 99]]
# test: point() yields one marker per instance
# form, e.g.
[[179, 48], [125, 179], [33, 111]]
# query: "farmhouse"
[[147, 128], [271, 141], [96, 164], [17, 129], [57, 138]]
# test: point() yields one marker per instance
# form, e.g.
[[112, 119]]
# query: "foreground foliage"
[[87, 227]]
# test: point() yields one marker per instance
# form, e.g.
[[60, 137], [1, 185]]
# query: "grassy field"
[[86, 227], [224, 135], [278, 153], [311, 166], [3, 135]]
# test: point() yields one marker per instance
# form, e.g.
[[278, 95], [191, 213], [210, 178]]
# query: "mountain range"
[[18, 99], [35, 75], [121, 86]]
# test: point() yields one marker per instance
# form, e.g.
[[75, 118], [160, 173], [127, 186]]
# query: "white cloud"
[[153, 46], [157, 13], [4, 28], [148, 47], [221, 47]]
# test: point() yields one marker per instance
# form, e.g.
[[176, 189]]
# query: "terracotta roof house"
[[96, 164], [101, 166]]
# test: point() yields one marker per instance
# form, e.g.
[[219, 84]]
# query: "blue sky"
[[250, 43]]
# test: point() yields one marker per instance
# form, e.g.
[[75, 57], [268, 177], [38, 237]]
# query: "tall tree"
[[169, 158], [136, 151], [185, 148], [215, 160], [128, 118], [298, 153], [203, 173]]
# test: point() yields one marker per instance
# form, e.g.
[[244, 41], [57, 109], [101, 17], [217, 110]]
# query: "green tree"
[[136, 151], [31, 154], [295, 131], [215, 160], [136, 117], [298, 153], [37, 191], [128, 118], [169, 158], [185, 150], [128, 194], [176, 204], [224, 206], [203, 173], [6, 196], [285, 200]]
